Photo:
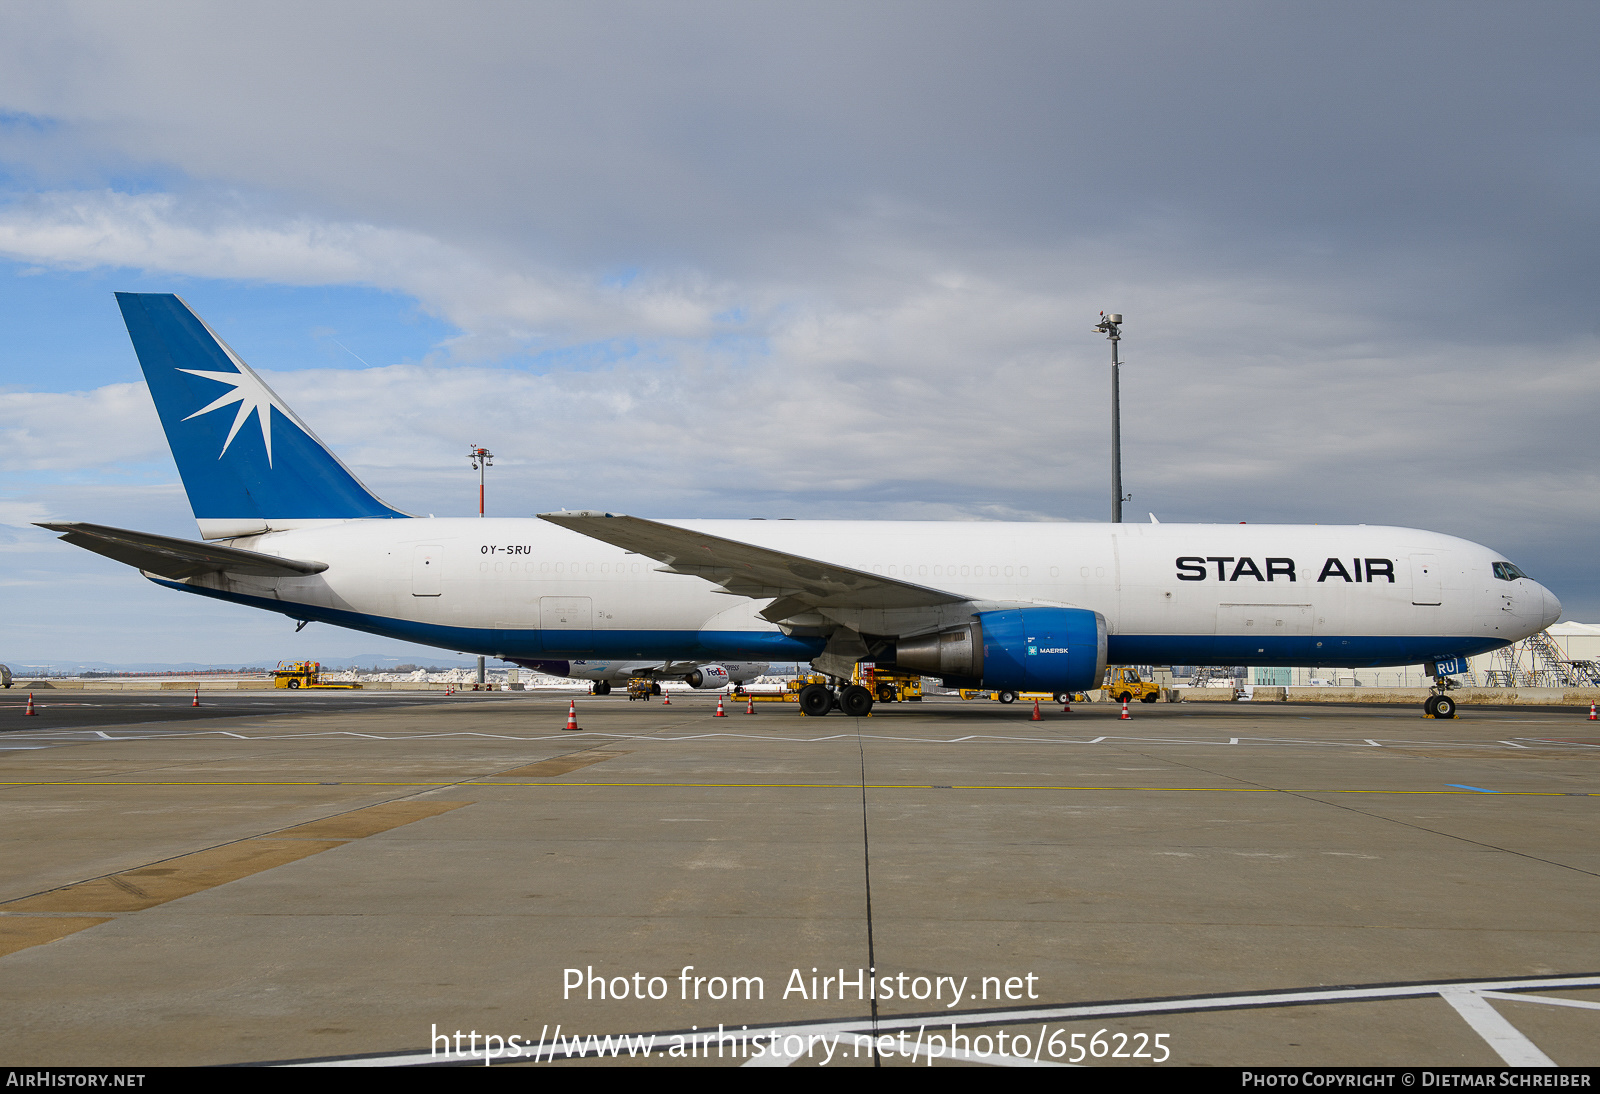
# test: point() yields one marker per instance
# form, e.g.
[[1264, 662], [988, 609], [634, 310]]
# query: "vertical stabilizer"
[[247, 461]]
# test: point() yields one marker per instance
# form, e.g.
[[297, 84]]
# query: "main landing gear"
[[817, 700]]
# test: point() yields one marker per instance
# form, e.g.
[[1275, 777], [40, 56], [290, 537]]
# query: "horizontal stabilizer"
[[178, 558], [749, 570]]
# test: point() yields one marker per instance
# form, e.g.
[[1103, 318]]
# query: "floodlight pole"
[[481, 459], [1111, 327]]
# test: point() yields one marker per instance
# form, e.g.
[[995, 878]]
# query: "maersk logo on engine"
[[1229, 568]]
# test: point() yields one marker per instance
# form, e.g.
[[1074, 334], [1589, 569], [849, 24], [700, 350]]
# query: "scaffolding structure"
[[1537, 662]]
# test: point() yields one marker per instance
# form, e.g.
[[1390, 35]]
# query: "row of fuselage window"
[[907, 572]]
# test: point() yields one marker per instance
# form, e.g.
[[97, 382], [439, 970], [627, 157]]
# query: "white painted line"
[[133, 733], [1507, 1041], [994, 1059], [815, 1041], [408, 1060], [1550, 1000], [1468, 1000], [814, 1034]]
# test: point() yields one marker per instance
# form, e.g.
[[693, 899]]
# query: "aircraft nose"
[[1552, 609]]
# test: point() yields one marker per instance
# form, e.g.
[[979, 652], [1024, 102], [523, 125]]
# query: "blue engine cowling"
[[1043, 649]]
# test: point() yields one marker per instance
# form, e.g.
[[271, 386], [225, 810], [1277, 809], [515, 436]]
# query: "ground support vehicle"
[[305, 674], [1003, 696], [1124, 685], [887, 686]]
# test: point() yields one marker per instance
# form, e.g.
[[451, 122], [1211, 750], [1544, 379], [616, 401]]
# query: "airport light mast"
[[482, 459], [1111, 327]]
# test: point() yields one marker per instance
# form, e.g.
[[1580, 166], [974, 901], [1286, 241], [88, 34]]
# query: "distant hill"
[[384, 662]]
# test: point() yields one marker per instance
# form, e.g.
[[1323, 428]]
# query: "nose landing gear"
[[1439, 705]]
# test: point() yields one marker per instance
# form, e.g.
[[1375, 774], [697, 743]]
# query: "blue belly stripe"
[[1335, 651]]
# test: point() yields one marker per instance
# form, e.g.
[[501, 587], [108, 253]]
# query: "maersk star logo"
[[253, 397]]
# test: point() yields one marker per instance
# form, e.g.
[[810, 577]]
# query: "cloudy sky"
[[807, 259]]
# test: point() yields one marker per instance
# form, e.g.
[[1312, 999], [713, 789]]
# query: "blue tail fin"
[[247, 461]]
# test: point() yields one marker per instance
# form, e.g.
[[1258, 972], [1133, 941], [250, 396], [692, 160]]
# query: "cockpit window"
[[1507, 572]]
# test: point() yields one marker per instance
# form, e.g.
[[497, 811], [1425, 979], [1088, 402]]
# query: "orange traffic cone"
[[572, 714], [1066, 706], [1036, 717], [750, 705], [666, 697], [30, 712], [720, 713], [196, 698], [1592, 718], [1125, 716]]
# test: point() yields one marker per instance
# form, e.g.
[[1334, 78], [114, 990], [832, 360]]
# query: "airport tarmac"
[[320, 877]]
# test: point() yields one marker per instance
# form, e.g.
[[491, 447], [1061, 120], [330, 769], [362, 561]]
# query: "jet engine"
[[707, 677], [1017, 649]]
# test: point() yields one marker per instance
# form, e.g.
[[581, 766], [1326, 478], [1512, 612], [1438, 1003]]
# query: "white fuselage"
[[1170, 593]]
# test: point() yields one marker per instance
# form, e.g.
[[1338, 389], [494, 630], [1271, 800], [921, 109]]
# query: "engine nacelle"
[[1018, 649], [707, 677]]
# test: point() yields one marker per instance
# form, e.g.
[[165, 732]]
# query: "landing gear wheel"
[[815, 700], [602, 688], [655, 688], [1008, 697], [1444, 706], [856, 701]]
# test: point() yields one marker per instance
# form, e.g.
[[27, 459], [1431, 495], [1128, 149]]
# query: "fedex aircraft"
[[606, 674], [285, 526]]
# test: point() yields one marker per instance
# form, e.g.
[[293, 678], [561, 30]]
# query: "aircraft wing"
[[178, 558], [793, 582]]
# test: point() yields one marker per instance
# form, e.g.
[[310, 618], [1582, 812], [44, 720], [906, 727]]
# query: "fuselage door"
[[426, 563], [1426, 588], [1264, 620], [566, 624]]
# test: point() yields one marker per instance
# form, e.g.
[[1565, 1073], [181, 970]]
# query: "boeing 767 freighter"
[[286, 527]]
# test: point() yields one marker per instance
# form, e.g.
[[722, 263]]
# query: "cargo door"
[[1264, 620], [566, 624], [426, 565]]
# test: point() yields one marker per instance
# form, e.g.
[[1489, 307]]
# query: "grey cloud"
[[1356, 243], [746, 136]]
